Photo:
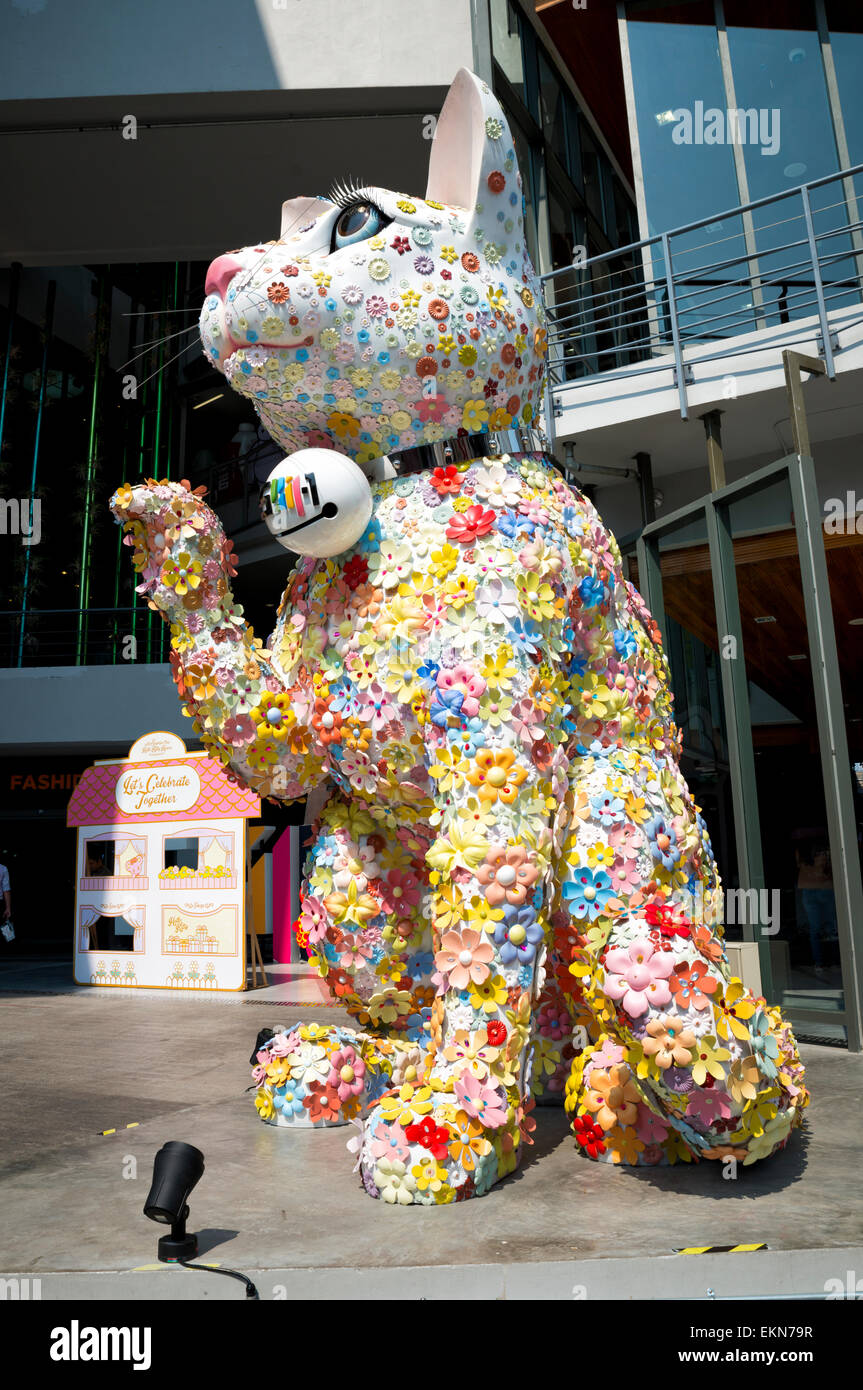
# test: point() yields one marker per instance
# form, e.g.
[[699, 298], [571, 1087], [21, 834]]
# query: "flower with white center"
[[496, 603]]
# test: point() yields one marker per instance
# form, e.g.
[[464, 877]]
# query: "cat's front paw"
[[429, 1147]]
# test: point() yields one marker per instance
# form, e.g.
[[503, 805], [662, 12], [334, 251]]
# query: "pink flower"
[[651, 1129], [283, 1044], [400, 889], [636, 974], [507, 874], [314, 919], [390, 1142], [708, 1106], [464, 957], [237, 730], [468, 682], [526, 722], [347, 1072], [483, 1102]]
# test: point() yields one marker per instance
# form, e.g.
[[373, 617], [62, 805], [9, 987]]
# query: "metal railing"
[[757, 268], [88, 637]]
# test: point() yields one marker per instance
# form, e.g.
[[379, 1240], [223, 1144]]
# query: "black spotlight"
[[177, 1168]]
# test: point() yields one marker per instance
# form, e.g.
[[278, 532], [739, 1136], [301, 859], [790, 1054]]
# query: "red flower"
[[322, 1102], [690, 984], [290, 270], [445, 480], [496, 1032], [401, 244], [467, 527], [589, 1135], [327, 723], [430, 1136], [356, 571]]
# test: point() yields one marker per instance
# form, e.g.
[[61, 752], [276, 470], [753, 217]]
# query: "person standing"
[[7, 902]]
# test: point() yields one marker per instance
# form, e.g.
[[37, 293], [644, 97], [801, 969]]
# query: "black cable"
[[251, 1291]]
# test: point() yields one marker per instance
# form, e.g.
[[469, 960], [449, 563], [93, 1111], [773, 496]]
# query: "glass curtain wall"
[[736, 102], [102, 380], [577, 206]]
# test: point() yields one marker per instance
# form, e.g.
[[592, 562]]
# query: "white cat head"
[[380, 321]]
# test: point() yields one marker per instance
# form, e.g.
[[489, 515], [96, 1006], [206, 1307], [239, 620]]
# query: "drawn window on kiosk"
[[114, 857], [103, 930], [208, 855]]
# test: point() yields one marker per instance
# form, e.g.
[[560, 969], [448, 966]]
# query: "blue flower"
[[663, 841], [445, 704], [428, 671], [624, 643], [587, 893], [522, 633], [609, 809], [591, 591], [289, 1098], [517, 941], [763, 1044]]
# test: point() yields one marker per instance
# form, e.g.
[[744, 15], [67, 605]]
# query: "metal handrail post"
[[675, 328], [819, 286]]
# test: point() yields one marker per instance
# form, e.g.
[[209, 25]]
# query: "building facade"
[[136, 160]]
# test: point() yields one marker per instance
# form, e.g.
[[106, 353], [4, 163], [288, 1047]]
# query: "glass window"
[[553, 109], [677, 78], [506, 42], [182, 853], [798, 879], [779, 82], [591, 172]]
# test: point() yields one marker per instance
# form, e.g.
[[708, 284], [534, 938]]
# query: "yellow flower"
[[450, 768], [429, 1174], [407, 1106], [497, 671], [733, 1008], [264, 1104], [389, 1004], [463, 846], [474, 414], [490, 995], [352, 906], [600, 856], [482, 916], [458, 592], [536, 596], [708, 1061], [181, 574], [443, 561]]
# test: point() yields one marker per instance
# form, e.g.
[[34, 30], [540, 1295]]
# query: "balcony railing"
[[760, 267], [76, 637]]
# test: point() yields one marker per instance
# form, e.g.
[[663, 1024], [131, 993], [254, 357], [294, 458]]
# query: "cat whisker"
[[156, 313], [165, 365], [191, 328]]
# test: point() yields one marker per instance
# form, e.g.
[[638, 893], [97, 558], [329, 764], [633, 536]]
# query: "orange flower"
[[495, 775]]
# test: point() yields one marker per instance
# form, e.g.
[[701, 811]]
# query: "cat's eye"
[[356, 223]]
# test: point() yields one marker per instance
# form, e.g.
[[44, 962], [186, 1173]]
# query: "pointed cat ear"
[[466, 142]]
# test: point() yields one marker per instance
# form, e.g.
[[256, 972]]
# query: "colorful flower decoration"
[[509, 887]]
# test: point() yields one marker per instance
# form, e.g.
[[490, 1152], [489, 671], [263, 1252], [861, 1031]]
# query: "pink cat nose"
[[221, 273]]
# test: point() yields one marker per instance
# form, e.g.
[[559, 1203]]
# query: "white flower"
[[499, 488], [394, 1182], [497, 603]]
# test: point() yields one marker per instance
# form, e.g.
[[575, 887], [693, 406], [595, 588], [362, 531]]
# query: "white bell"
[[317, 502]]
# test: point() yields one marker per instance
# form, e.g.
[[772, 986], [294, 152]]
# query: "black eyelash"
[[347, 192]]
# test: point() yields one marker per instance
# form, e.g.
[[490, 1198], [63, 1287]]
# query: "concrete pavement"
[[285, 1204]]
